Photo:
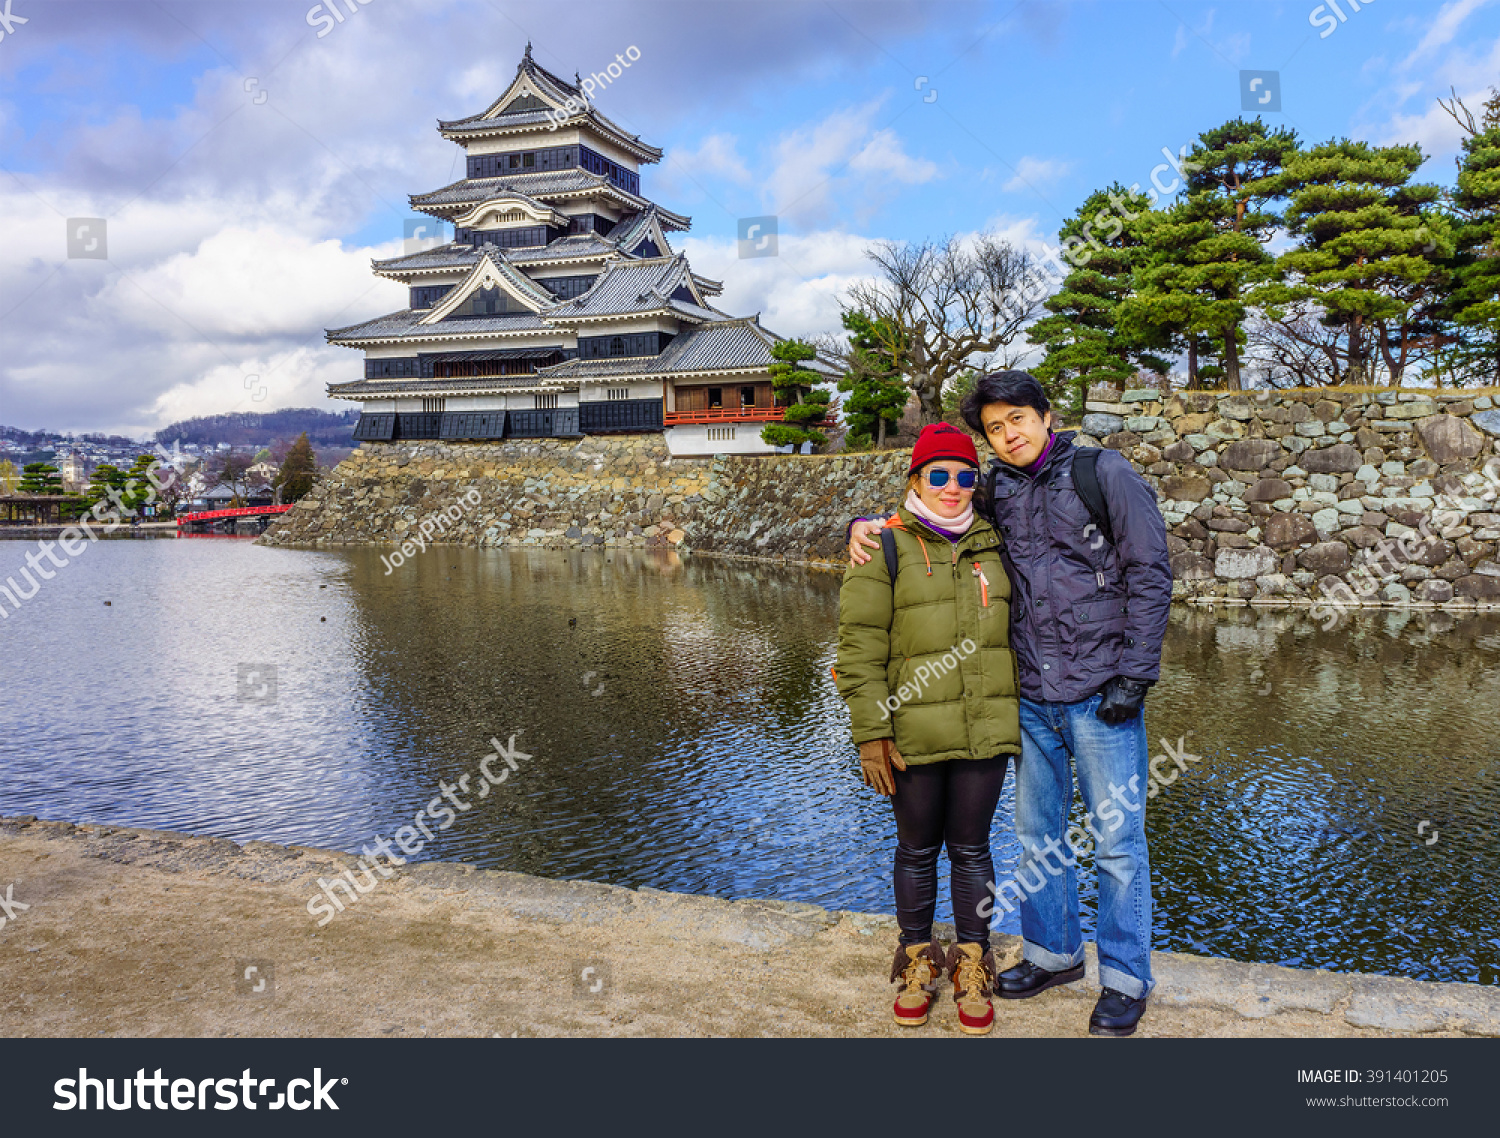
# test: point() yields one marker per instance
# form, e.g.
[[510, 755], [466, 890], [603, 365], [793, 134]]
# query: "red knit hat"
[[939, 441]]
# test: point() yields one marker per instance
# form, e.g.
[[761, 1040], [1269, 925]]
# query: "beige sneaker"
[[917, 968], [972, 967]]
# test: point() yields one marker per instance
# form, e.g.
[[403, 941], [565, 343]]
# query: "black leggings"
[[950, 802]]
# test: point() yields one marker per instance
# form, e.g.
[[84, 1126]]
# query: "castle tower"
[[559, 309]]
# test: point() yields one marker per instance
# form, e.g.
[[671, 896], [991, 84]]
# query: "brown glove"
[[876, 758]]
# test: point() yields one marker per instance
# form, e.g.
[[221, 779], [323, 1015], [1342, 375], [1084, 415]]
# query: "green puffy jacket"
[[929, 664]]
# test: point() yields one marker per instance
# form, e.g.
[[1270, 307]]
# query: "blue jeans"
[[1112, 775]]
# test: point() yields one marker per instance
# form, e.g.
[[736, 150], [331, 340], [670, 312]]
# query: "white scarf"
[[959, 524]]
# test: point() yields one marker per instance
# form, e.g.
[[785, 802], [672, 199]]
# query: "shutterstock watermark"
[[925, 674], [317, 16], [9, 20], [433, 523], [1162, 771], [1324, 14], [1075, 252], [595, 82], [448, 801], [10, 906], [71, 540], [1399, 550]]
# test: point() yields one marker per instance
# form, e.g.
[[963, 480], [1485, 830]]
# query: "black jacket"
[[1083, 610]]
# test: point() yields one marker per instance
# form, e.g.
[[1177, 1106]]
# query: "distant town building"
[[560, 308], [73, 468]]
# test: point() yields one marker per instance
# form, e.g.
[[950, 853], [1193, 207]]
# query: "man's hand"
[[1122, 700], [861, 535], [876, 759]]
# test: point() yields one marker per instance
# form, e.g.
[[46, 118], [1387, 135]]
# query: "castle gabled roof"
[[737, 344], [543, 186], [517, 110], [638, 287], [491, 269], [407, 325]]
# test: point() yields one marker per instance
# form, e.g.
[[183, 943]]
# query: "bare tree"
[[1296, 349], [941, 304]]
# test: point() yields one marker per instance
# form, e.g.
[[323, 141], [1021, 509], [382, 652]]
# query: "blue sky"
[[248, 170]]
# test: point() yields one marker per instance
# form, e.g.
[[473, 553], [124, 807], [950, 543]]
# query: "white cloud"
[[841, 162], [1443, 28], [797, 293], [1036, 173]]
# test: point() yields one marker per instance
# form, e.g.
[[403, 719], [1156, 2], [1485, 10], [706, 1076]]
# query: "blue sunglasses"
[[938, 478]]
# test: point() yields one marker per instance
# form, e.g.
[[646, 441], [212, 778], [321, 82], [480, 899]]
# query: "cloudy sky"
[[248, 169]]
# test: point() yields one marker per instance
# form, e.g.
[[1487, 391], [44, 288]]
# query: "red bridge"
[[211, 516]]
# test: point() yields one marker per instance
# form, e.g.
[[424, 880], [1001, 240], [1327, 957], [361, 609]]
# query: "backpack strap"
[[1086, 482], [888, 547]]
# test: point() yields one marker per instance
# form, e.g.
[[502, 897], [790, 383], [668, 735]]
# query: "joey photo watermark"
[[437, 523], [588, 87], [925, 674], [440, 813]]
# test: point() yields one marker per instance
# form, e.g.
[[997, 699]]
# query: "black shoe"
[[1116, 1014], [1026, 980]]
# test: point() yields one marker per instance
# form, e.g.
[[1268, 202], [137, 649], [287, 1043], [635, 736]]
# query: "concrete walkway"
[[143, 933]]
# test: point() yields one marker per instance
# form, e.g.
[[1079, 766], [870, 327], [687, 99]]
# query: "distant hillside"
[[258, 429]]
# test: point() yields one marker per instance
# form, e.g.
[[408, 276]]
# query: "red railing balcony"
[[727, 415]]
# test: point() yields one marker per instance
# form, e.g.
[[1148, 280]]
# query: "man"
[[1088, 613]]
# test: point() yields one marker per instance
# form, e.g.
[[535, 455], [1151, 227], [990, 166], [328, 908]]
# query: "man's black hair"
[[1017, 388]]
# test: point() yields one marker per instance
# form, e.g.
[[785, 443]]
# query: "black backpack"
[[1085, 481]]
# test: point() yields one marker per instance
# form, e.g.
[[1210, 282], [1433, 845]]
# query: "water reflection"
[[685, 734]]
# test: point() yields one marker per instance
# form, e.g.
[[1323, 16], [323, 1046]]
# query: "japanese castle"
[[559, 309]]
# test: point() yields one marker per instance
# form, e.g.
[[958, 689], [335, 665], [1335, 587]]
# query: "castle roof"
[[526, 103], [728, 345], [638, 287], [550, 186]]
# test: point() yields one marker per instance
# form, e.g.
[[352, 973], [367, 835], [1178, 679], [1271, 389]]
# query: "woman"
[[930, 680]]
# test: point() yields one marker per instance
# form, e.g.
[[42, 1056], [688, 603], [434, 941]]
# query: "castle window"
[[617, 393], [433, 406], [545, 402]]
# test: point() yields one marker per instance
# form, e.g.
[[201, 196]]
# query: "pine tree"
[[1475, 300], [1084, 341], [877, 392], [793, 384], [40, 478], [1369, 252], [299, 471], [1208, 250]]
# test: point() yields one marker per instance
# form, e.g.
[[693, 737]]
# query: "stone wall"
[[1271, 497], [1277, 496], [622, 490]]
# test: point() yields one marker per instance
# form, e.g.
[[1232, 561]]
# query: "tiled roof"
[[406, 324], [627, 287], [386, 388], [561, 91], [578, 245], [539, 185], [532, 185], [719, 346], [461, 256], [452, 256]]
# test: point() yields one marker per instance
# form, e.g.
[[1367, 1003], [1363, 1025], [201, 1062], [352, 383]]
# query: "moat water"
[[683, 732]]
